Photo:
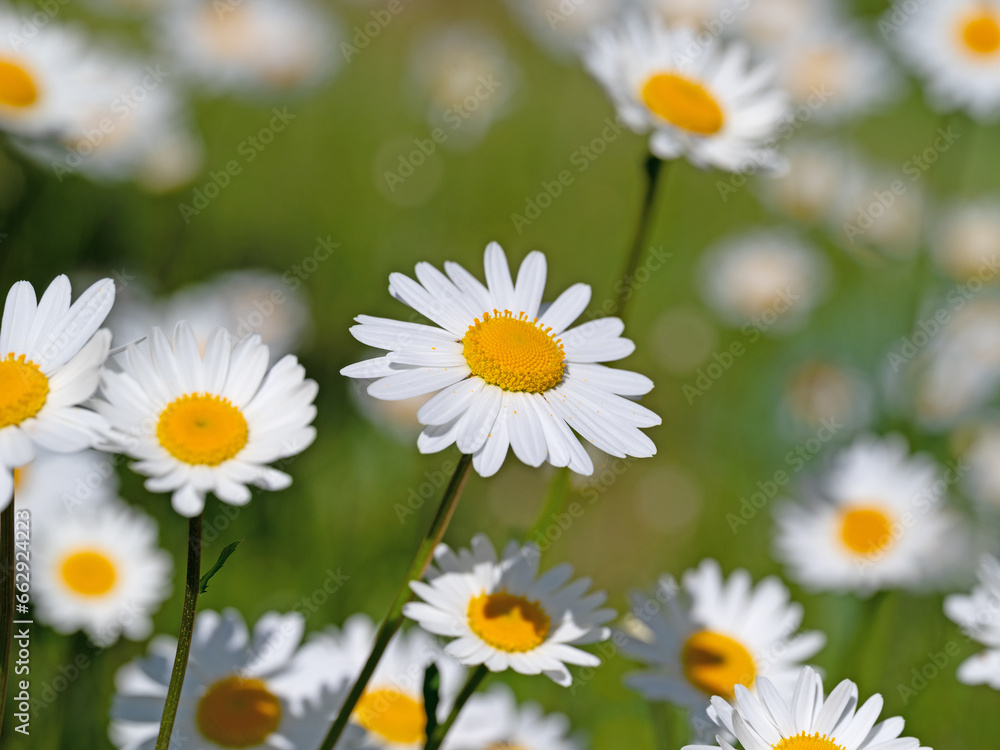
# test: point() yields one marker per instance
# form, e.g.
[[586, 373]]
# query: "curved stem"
[[654, 169], [7, 603], [191, 585], [471, 685], [394, 618]]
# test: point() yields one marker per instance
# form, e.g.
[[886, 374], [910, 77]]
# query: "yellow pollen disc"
[[23, 390], [981, 33], [17, 87], [238, 712], [514, 353], [805, 741], [393, 715], [507, 622], [865, 530], [89, 573], [716, 664], [683, 103], [202, 429]]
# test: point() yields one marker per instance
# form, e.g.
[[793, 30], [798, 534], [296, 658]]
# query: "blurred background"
[[288, 190]]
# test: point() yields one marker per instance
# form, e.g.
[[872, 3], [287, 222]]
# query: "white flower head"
[[965, 244], [51, 353], [209, 421], [100, 571], [978, 614], [495, 720], [56, 484], [501, 613], [719, 633], [507, 371], [701, 100], [562, 27]]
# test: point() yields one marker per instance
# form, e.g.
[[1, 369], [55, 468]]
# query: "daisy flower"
[[507, 372], [966, 242], [560, 27], [955, 46], [818, 392], [55, 484], [812, 182], [99, 571], [979, 616], [771, 23], [250, 45], [983, 478], [494, 720], [239, 690], [768, 721], [769, 279], [699, 100], [391, 713], [207, 422], [501, 613], [718, 634], [50, 358], [878, 522]]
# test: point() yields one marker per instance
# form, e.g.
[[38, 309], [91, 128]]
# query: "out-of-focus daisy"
[[244, 302], [208, 421], [396, 418], [871, 215], [812, 183], [724, 633], [700, 100], [981, 456], [501, 613], [55, 484], [877, 521], [836, 72], [771, 23], [820, 392], [768, 720], [100, 571], [391, 711], [494, 720], [249, 45], [697, 15], [239, 691], [966, 242], [562, 27], [464, 78], [979, 616], [769, 279], [51, 354], [506, 372], [955, 45]]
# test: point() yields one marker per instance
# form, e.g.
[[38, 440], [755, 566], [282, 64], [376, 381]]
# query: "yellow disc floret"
[[981, 33], [17, 87], [715, 664], [866, 530], [507, 622], [514, 353], [238, 712], [803, 741], [394, 715], [202, 429], [88, 572], [23, 390], [684, 103]]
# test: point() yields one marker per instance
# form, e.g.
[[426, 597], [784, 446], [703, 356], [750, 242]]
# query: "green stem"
[[857, 648], [191, 585], [654, 169], [6, 600], [471, 685], [394, 618]]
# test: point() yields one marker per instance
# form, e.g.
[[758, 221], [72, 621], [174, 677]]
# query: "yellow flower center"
[[17, 87], [981, 33], [23, 390], [202, 429], [392, 714], [684, 103], [514, 353], [20, 477], [716, 664], [89, 573], [238, 712], [866, 530], [507, 622], [803, 741]]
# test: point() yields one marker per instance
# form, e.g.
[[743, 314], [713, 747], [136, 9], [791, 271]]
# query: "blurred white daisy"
[[244, 302], [464, 78], [955, 45], [978, 614], [507, 372], [700, 100], [207, 421], [769, 279], [812, 182], [501, 613], [771, 23], [981, 455], [100, 571], [819, 392], [56, 484], [719, 634], [250, 45], [239, 691], [697, 15], [395, 418], [51, 354], [391, 711], [873, 214], [966, 241], [770, 721], [562, 27], [494, 720], [878, 520]]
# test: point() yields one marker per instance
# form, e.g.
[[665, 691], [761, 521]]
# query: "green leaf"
[[432, 688], [223, 556]]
